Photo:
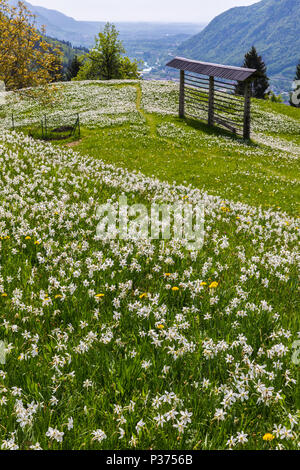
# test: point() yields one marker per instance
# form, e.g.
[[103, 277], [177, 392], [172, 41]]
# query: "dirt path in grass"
[[150, 120], [290, 149]]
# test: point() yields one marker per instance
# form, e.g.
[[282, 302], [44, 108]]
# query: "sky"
[[196, 11]]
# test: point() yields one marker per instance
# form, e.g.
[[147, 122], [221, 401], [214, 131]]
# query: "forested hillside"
[[272, 26]]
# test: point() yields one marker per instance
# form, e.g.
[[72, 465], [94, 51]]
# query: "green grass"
[[106, 361], [188, 151], [221, 165]]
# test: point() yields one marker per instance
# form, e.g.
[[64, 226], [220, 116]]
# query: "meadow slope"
[[117, 344]]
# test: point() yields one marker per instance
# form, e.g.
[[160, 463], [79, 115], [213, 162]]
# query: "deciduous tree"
[[26, 58], [106, 60]]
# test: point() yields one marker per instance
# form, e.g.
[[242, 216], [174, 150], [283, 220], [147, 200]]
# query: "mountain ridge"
[[272, 26]]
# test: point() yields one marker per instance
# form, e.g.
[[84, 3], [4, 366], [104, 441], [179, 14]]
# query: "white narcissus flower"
[[55, 434], [99, 435]]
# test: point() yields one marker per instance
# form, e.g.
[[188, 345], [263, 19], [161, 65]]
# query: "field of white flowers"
[[137, 344]]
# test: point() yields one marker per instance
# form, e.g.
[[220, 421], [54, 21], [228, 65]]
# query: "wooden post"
[[211, 99], [247, 110], [181, 95]]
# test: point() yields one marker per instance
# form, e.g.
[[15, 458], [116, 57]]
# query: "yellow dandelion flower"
[[4, 294], [174, 289], [167, 274], [203, 284], [161, 326], [268, 437], [99, 296], [142, 296], [37, 242], [58, 296], [214, 285], [28, 237]]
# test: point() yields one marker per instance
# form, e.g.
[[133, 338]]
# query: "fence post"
[[247, 110], [211, 100], [181, 95]]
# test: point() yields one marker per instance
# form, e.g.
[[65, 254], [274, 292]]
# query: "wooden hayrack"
[[211, 88]]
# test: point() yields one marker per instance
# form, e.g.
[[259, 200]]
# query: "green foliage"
[[68, 54], [73, 68], [274, 98], [105, 61]]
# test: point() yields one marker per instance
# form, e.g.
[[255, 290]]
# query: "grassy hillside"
[[123, 344], [272, 26], [140, 118]]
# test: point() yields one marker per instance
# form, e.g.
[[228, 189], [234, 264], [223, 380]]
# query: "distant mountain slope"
[[272, 26], [62, 26]]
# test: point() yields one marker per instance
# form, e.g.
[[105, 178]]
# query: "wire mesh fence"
[[50, 127]]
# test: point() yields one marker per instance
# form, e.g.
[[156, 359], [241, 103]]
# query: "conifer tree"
[[297, 77], [73, 68], [260, 84]]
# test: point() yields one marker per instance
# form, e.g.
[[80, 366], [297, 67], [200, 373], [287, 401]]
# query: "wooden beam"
[[225, 124], [211, 101], [181, 95], [247, 111]]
